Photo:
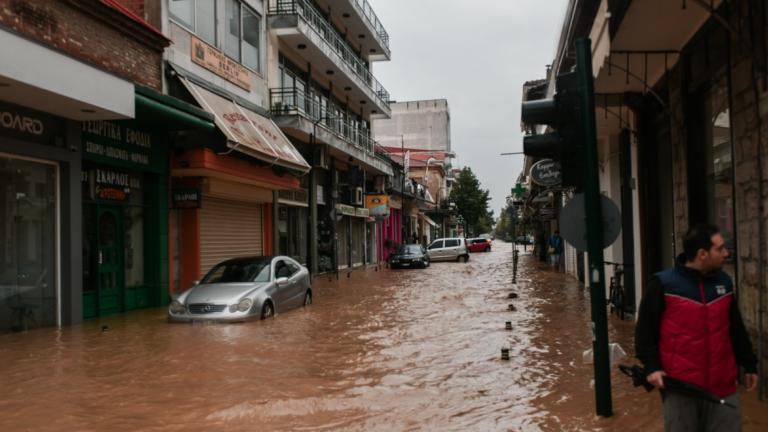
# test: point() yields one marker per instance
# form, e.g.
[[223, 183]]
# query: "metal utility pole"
[[593, 212], [402, 194]]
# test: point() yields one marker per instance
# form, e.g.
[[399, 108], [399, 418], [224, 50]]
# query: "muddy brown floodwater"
[[386, 350]]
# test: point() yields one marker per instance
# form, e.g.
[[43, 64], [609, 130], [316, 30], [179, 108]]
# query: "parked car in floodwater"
[[412, 255], [448, 249], [479, 245], [241, 289]]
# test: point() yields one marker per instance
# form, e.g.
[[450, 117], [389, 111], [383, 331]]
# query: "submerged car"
[[412, 255], [448, 249], [479, 245], [241, 289]]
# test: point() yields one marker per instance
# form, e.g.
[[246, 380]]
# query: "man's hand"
[[656, 378], [750, 381]]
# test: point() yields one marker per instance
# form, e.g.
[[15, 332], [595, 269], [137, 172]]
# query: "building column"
[[334, 199], [312, 249], [276, 224]]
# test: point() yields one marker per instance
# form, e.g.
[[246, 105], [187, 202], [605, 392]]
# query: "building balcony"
[[360, 19], [300, 116], [301, 26]]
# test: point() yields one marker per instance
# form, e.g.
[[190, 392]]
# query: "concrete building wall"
[[180, 54], [422, 124]]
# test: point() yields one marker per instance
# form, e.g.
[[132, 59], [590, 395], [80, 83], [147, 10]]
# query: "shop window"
[[28, 237], [133, 220], [198, 16], [719, 163], [292, 227]]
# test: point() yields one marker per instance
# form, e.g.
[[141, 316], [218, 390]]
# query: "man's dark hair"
[[698, 237]]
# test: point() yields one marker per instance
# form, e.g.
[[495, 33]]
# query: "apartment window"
[[242, 40], [198, 16]]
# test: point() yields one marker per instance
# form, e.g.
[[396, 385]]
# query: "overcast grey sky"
[[476, 54]]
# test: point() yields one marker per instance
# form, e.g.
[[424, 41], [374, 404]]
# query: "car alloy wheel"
[[268, 311], [307, 298]]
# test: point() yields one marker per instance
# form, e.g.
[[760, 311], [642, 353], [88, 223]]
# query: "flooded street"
[[386, 350]]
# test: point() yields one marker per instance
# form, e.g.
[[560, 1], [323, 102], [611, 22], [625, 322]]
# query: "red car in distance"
[[479, 245]]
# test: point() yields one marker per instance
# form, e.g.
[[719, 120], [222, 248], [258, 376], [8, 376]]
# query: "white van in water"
[[448, 249]]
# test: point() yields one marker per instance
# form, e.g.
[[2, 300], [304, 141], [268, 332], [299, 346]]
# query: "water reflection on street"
[[381, 350]]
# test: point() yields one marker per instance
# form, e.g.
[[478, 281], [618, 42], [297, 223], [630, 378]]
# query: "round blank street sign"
[[573, 222]]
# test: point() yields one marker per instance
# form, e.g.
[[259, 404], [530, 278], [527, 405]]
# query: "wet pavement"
[[380, 350]]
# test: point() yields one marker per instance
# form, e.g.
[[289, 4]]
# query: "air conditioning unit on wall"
[[357, 199], [320, 158]]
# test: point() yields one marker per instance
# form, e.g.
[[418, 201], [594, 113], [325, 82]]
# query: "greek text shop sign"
[[122, 145], [546, 173]]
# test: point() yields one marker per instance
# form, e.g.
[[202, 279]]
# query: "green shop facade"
[[125, 190]]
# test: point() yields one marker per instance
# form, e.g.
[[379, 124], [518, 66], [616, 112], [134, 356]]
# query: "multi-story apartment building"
[[421, 124], [422, 130], [323, 96], [225, 182]]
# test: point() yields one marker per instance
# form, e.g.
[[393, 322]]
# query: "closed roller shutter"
[[228, 229]]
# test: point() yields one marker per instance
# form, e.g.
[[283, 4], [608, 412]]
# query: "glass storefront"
[[28, 233], [342, 241], [719, 187], [357, 241], [292, 229]]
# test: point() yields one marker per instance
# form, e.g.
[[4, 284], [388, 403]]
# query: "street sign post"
[[573, 222]]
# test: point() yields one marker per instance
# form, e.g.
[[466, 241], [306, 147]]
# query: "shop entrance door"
[[110, 279]]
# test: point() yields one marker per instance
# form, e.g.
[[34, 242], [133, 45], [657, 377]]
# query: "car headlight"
[[243, 306], [177, 307]]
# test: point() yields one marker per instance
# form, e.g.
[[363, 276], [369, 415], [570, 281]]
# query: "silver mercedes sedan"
[[241, 289]]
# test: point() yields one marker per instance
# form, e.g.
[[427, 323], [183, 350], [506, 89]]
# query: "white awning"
[[248, 132], [428, 220], [601, 39]]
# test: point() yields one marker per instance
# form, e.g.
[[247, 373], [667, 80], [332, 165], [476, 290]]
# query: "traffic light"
[[564, 143]]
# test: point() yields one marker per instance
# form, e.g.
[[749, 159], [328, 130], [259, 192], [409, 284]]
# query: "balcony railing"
[[368, 13], [289, 101], [324, 28]]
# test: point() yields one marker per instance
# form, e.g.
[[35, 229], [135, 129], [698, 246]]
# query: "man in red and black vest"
[[689, 328]]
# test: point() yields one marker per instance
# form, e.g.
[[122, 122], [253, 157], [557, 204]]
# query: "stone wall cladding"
[[748, 113], [85, 37], [750, 134]]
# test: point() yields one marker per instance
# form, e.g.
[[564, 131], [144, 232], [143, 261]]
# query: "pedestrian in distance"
[[689, 328], [555, 250]]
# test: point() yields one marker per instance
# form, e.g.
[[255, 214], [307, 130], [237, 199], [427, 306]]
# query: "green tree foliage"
[[505, 226], [472, 202]]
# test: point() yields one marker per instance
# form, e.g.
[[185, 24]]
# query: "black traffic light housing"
[[564, 143]]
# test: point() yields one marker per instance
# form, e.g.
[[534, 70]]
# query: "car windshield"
[[238, 271], [409, 249]]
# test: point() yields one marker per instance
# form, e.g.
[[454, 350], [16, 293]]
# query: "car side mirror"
[[281, 281]]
